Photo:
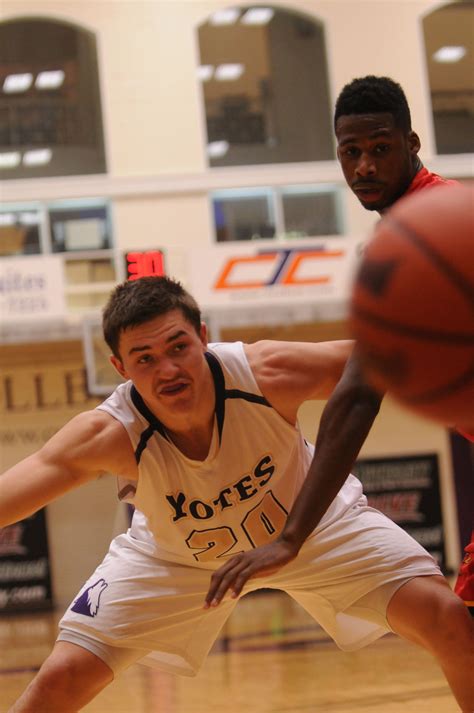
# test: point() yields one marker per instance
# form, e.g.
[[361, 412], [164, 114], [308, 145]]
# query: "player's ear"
[[203, 334], [118, 366], [414, 142]]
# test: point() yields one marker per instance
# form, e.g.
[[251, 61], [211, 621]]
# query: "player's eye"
[[144, 359], [382, 148], [350, 151]]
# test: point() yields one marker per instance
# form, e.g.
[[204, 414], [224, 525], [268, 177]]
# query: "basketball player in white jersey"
[[204, 441]]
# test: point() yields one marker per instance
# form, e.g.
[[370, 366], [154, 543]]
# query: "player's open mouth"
[[173, 389], [368, 193]]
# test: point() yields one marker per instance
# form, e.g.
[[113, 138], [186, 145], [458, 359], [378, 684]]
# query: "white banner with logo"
[[263, 273], [31, 288]]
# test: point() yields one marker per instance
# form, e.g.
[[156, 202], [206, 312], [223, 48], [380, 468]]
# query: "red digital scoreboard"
[[144, 264]]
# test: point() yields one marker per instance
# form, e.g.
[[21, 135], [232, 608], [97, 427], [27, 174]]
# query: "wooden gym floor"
[[271, 657]]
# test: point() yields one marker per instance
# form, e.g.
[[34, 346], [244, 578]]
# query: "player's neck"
[[191, 431], [194, 441]]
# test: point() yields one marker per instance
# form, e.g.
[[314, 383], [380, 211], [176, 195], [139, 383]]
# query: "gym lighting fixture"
[[50, 80], [449, 53], [205, 72], [228, 72], [9, 159], [15, 83], [257, 16], [217, 148], [37, 157], [227, 16]]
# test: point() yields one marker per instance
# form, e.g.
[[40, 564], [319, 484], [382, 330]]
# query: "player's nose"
[[167, 369], [366, 166]]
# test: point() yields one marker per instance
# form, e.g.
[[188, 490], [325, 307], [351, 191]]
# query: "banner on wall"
[[25, 580], [407, 490], [31, 288], [281, 273]]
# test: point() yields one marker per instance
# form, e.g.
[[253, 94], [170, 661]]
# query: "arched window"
[[264, 80], [50, 110], [449, 49]]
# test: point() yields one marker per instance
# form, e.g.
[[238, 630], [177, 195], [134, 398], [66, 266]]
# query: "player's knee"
[[426, 611], [453, 630], [70, 677], [56, 678]]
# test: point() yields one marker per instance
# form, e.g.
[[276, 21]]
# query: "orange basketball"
[[412, 307]]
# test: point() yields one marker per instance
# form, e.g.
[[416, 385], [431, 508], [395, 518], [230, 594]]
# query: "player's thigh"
[[426, 610]]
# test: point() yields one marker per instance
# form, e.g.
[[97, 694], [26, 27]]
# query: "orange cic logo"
[[284, 266]]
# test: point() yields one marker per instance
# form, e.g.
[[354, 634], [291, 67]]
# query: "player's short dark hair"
[[138, 301], [368, 95]]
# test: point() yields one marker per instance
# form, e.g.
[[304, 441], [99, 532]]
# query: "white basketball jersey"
[[202, 512]]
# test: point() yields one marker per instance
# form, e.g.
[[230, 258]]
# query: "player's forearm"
[[30, 485], [345, 424], [14, 512], [18, 501]]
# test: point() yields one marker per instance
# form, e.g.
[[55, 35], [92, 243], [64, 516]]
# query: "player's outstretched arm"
[[91, 444], [346, 420]]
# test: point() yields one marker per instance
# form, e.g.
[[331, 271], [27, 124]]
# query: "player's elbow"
[[355, 397], [367, 400], [9, 516]]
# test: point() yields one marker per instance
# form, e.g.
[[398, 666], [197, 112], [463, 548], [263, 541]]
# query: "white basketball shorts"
[[137, 607]]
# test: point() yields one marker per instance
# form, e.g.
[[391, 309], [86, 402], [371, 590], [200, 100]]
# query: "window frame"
[[274, 195]]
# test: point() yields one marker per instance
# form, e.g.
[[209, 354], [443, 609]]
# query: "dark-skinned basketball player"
[[378, 152]]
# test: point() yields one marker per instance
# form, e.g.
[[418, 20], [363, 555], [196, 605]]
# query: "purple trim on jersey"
[[253, 398], [222, 393], [219, 385]]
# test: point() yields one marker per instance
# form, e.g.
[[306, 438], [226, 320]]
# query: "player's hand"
[[263, 560]]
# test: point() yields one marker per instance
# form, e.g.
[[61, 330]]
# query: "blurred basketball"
[[412, 307]]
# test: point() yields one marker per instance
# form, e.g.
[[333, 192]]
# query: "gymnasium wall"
[[158, 181]]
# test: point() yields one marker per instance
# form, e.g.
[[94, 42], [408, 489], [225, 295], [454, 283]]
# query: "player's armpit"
[[86, 447]]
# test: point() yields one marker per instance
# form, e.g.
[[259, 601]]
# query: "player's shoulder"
[[278, 364], [95, 423], [99, 436], [268, 358], [92, 442]]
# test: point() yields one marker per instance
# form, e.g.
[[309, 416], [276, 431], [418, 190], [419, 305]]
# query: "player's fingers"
[[240, 579], [220, 582], [252, 569], [234, 580]]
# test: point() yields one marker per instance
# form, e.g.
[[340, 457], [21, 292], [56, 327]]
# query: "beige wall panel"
[[171, 223], [310, 332]]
